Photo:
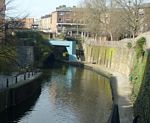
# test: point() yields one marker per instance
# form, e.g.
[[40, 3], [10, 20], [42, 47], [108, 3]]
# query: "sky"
[[37, 8]]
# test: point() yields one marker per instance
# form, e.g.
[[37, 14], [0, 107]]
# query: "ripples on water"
[[67, 95]]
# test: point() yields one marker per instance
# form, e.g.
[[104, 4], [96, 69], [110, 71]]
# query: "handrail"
[[8, 81]]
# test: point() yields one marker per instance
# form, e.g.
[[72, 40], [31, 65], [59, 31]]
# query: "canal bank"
[[121, 90], [132, 60], [19, 92], [69, 95]]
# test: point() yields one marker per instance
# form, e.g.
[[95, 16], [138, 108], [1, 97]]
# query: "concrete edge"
[[9, 93]]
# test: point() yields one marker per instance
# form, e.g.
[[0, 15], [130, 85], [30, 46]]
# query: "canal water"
[[67, 95]]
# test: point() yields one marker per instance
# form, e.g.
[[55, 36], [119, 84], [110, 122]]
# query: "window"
[[59, 19]]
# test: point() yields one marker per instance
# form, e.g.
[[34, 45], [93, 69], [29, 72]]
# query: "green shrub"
[[129, 45], [139, 47]]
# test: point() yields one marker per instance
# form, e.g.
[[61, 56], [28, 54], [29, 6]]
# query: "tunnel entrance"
[[60, 53]]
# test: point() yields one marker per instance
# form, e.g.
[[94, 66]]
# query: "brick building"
[[28, 23], [45, 23], [62, 21]]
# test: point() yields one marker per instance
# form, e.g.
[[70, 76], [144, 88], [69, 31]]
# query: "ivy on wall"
[[139, 47], [141, 82]]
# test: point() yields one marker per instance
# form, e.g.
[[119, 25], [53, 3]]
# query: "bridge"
[[70, 46]]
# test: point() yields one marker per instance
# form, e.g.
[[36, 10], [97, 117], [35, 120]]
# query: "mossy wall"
[[124, 60], [114, 58], [140, 79]]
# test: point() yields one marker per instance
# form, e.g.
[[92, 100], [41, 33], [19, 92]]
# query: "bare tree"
[[131, 14], [95, 15], [102, 19], [115, 27], [8, 54]]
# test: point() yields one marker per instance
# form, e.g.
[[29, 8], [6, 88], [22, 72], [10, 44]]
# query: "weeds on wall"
[[129, 45], [141, 104], [139, 47], [139, 78], [137, 73]]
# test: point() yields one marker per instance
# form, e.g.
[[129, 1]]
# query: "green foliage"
[[110, 52], [8, 59], [141, 89], [32, 35], [136, 76], [42, 48], [139, 47], [41, 52], [61, 36], [129, 45]]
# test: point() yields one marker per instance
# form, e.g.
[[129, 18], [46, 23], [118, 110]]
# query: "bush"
[[139, 47], [129, 45], [42, 48]]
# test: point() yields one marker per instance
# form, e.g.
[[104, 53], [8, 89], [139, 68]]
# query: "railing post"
[[16, 79], [28, 74], [35, 72], [32, 73], [7, 83], [25, 76]]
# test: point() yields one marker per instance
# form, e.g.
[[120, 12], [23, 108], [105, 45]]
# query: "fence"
[[122, 43], [7, 81]]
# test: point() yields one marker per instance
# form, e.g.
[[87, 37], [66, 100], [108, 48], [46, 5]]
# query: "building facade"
[[45, 23], [145, 13], [62, 21], [28, 23]]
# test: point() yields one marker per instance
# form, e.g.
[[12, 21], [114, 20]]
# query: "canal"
[[67, 95]]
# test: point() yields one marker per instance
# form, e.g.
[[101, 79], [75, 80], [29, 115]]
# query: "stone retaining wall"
[[18, 93], [114, 58]]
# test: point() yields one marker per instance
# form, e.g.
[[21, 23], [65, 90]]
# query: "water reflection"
[[71, 95], [14, 114], [87, 100]]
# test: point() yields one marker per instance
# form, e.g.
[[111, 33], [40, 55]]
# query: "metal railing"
[[8, 81]]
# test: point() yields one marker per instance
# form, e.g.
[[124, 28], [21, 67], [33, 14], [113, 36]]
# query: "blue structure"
[[70, 45]]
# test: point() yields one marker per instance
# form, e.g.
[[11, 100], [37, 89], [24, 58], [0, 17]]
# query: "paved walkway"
[[122, 91], [9, 80]]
